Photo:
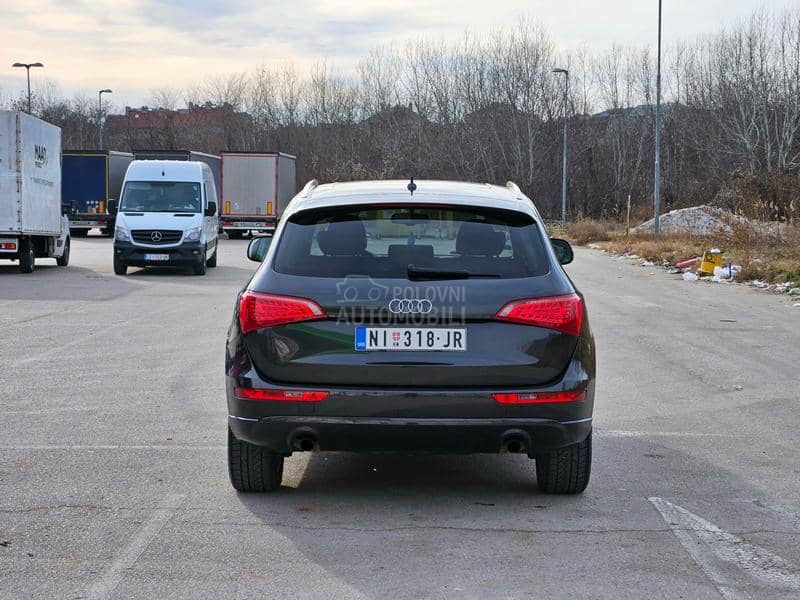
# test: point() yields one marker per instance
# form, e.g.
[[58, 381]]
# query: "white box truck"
[[32, 223], [256, 187]]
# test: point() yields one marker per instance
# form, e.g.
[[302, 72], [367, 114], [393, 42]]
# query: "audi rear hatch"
[[411, 295]]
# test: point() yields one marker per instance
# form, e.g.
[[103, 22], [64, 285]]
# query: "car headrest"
[[345, 236], [403, 254], [479, 239]]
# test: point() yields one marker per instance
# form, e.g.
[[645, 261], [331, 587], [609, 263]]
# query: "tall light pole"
[[28, 70], [100, 112], [657, 184], [566, 146]]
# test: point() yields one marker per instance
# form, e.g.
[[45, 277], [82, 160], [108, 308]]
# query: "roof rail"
[[514, 189], [309, 187]]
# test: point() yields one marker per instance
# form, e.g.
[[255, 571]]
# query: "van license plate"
[[410, 338], [156, 256]]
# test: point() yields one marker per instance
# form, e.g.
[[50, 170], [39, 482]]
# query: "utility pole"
[[657, 184], [100, 113], [566, 145], [28, 70]]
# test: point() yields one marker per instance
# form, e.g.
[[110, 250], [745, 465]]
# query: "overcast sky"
[[135, 46]]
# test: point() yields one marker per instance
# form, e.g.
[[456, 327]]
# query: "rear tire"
[[27, 258], [253, 468], [120, 268], [235, 234], [567, 470], [78, 232], [63, 260]]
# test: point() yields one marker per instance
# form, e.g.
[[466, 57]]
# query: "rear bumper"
[[411, 419], [188, 253], [285, 434]]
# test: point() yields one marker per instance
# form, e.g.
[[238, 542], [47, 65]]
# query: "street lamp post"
[[566, 146], [100, 113], [657, 184], [28, 71]]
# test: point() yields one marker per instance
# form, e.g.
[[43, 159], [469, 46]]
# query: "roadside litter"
[[690, 277]]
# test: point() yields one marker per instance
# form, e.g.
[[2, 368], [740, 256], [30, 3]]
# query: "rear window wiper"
[[422, 273]]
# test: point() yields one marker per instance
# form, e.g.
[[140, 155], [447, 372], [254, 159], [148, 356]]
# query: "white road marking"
[[677, 434], [109, 580], [717, 551]]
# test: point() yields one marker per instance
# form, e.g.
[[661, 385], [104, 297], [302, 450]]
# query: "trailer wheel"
[[63, 260], [26, 256], [235, 234], [79, 232], [120, 268]]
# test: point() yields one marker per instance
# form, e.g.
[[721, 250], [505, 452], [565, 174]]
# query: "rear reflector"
[[539, 397], [562, 313], [281, 395], [258, 310]]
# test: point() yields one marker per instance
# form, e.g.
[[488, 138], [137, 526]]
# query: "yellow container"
[[711, 259]]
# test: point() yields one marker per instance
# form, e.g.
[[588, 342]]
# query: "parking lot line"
[[89, 447], [110, 578]]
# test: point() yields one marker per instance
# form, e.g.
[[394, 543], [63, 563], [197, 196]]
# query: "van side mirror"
[[563, 251], [112, 206], [211, 209], [257, 248]]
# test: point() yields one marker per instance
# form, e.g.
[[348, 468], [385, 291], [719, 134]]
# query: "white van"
[[166, 216]]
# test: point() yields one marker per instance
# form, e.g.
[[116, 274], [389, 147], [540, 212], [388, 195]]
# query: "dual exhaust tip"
[[513, 442]]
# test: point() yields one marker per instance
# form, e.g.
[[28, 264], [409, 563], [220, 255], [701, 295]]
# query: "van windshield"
[[411, 241], [161, 196]]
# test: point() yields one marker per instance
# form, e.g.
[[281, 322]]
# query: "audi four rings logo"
[[156, 236], [406, 306]]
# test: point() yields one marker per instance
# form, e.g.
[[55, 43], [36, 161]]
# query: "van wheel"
[[212, 262], [63, 260], [120, 268], [567, 470], [253, 468], [199, 268], [26, 256]]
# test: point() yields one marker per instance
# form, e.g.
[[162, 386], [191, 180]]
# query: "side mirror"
[[257, 248], [112, 206], [211, 209], [563, 251]]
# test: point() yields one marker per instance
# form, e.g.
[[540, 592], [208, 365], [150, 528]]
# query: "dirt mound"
[[704, 220]]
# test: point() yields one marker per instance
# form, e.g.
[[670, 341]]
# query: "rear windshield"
[[389, 241]]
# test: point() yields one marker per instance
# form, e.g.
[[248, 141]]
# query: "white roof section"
[[165, 170], [428, 191]]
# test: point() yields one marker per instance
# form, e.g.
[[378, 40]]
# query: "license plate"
[[410, 338], [156, 256], [82, 223]]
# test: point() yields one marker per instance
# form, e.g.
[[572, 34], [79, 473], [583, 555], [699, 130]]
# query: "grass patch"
[[773, 257]]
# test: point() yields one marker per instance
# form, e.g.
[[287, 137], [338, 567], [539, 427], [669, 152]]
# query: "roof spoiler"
[[514, 189]]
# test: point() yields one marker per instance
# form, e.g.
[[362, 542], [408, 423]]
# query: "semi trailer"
[[89, 179], [32, 224], [213, 161], [256, 187]]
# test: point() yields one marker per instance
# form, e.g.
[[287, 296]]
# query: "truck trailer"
[[89, 179], [32, 224], [213, 161], [256, 187]]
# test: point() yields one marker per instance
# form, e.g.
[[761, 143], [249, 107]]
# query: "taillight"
[[562, 313], [539, 397], [281, 395], [258, 310]]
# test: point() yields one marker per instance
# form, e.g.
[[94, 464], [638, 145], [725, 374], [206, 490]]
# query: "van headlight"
[[121, 234], [193, 235]]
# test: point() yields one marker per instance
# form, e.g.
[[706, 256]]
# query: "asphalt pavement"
[[113, 478]]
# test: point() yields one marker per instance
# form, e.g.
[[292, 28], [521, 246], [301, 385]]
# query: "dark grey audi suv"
[[390, 316]]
